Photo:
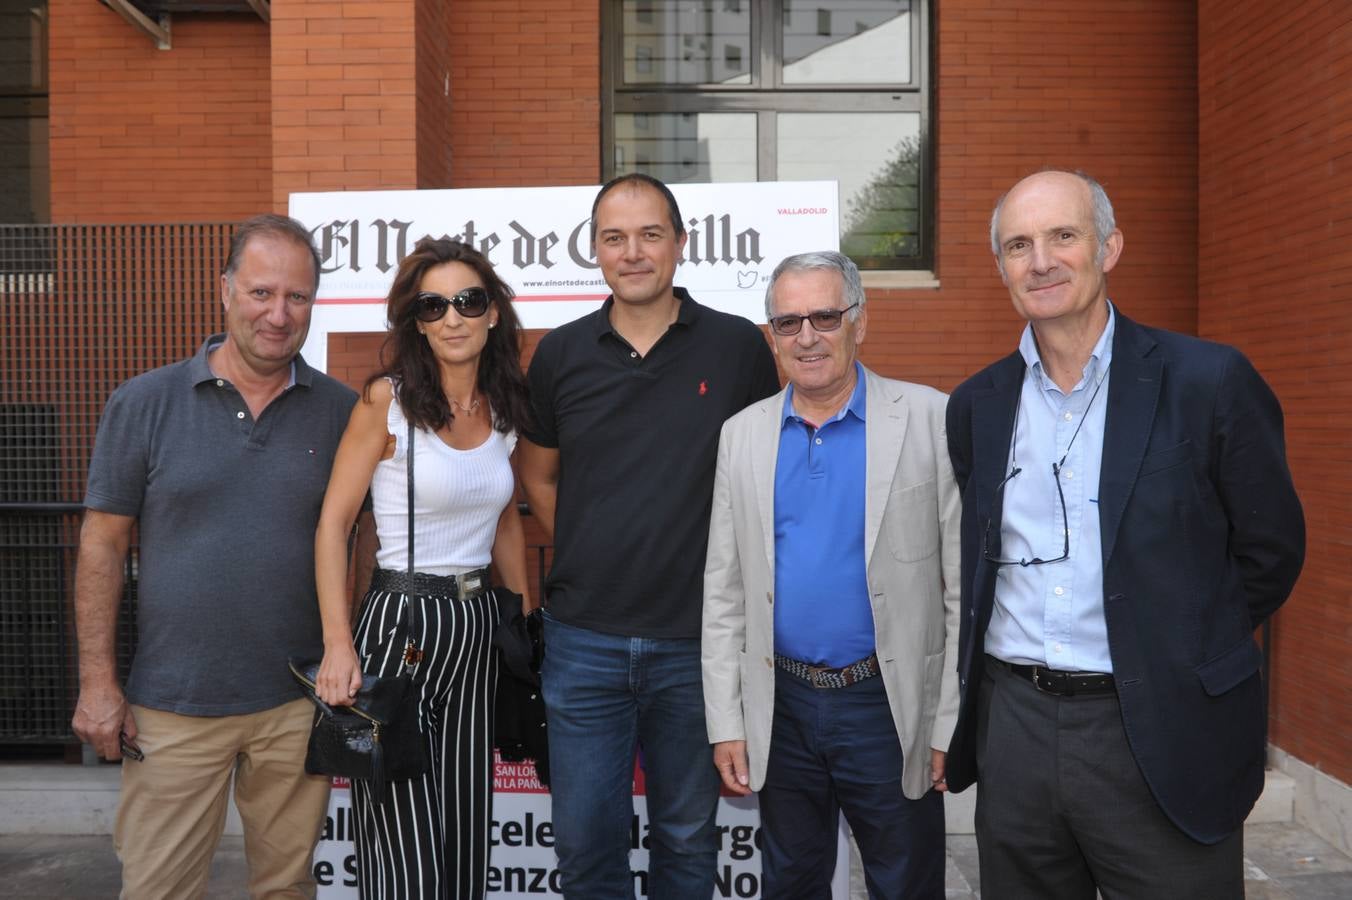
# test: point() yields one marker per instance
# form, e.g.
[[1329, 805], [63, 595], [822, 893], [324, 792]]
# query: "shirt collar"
[[857, 404], [199, 369], [1099, 359], [685, 314]]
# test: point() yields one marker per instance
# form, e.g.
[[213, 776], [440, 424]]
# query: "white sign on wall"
[[539, 240], [522, 864]]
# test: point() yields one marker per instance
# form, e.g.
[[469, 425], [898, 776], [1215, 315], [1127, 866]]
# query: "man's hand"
[[937, 770], [102, 715], [101, 711], [730, 761]]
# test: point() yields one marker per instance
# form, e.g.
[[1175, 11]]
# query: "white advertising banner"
[[522, 864], [539, 240]]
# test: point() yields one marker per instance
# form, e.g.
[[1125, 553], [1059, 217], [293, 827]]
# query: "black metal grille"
[[85, 308]]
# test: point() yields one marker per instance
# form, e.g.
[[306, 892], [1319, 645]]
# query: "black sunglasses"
[[471, 303], [822, 320], [996, 501]]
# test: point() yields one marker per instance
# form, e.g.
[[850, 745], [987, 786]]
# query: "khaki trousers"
[[173, 803]]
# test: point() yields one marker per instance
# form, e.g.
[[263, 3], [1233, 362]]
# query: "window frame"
[[767, 96]]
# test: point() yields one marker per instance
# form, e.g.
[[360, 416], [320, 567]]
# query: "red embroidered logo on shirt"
[[703, 388]]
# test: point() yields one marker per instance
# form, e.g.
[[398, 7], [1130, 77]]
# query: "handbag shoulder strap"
[[411, 652], [409, 456]]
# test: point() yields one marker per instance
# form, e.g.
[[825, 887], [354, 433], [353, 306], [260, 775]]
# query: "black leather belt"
[[1062, 684], [822, 677], [457, 587]]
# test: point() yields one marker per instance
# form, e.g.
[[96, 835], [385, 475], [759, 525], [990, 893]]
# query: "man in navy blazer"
[[1128, 520]]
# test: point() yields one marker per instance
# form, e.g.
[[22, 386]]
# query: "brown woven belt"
[[822, 677]]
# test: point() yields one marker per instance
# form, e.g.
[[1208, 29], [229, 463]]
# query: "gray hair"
[[853, 287], [270, 225], [1104, 221]]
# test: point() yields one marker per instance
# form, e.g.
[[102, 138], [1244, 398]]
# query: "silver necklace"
[[467, 410]]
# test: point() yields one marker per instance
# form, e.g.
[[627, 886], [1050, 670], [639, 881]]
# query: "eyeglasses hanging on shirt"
[[997, 499]]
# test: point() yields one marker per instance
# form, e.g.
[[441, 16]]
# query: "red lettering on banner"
[[517, 777]]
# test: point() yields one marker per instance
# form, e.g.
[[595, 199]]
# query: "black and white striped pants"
[[428, 838]]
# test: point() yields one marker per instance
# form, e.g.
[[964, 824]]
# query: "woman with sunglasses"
[[451, 367]]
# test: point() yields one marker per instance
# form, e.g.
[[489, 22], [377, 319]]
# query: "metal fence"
[[38, 674], [84, 308]]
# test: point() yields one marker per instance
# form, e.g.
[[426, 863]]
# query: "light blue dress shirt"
[[1052, 615], [822, 611]]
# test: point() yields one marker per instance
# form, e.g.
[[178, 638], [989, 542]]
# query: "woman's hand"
[[339, 675]]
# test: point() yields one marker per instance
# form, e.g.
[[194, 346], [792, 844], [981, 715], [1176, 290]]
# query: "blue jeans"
[[832, 751], [603, 694]]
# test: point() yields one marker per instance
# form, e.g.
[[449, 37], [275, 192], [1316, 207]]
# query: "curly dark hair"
[[406, 358]]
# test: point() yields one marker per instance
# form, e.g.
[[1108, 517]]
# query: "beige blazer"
[[911, 510]]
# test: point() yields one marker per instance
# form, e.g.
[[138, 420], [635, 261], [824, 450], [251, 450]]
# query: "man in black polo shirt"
[[619, 468]]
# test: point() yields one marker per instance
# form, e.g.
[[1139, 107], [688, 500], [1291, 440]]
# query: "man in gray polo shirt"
[[222, 459]]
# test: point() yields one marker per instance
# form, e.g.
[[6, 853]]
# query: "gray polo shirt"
[[227, 509]]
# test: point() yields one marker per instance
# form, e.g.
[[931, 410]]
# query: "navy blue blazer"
[[1203, 538]]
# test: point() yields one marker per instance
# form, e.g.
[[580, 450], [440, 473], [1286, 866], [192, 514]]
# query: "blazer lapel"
[[992, 425], [993, 428], [765, 456], [884, 429], [1133, 394]]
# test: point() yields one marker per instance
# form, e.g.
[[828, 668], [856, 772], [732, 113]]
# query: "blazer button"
[[769, 662], [769, 598]]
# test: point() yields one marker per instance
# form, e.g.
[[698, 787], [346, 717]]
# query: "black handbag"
[[377, 738]]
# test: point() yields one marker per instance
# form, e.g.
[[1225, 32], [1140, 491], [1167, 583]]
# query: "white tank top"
[[458, 496]]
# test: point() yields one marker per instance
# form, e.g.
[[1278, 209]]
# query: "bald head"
[[1100, 207], [1055, 244]]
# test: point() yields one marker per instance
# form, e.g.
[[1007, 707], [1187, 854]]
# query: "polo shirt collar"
[[199, 370], [857, 404], [685, 314]]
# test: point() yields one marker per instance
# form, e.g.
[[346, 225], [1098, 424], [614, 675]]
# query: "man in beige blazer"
[[830, 625]]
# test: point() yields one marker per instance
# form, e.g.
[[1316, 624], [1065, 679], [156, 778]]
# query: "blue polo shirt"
[[822, 611]]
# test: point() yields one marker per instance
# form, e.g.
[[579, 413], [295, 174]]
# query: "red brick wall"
[[343, 93], [432, 76], [1275, 110], [1057, 83], [1018, 89], [146, 135], [354, 356], [525, 87]]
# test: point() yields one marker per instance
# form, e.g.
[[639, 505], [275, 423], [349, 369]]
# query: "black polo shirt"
[[638, 440]]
